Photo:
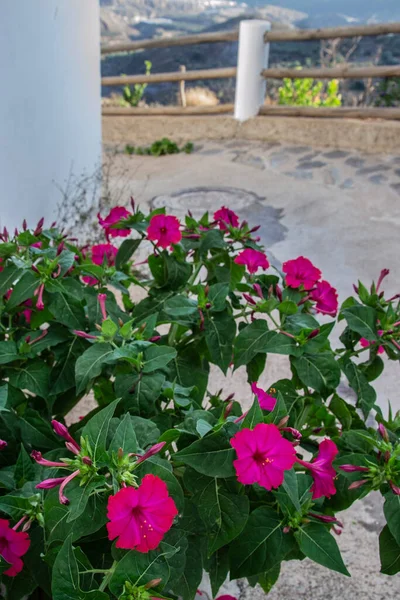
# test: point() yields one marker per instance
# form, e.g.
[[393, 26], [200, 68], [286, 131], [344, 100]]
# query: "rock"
[[355, 161], [312, 164]]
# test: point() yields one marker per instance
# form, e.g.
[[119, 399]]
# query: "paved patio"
[[342, 210]]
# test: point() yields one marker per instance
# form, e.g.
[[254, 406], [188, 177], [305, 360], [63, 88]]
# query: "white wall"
[[50, 112]]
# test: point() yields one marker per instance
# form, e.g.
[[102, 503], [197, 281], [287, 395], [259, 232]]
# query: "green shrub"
[[307, 92], [132, 94], [159, 148]]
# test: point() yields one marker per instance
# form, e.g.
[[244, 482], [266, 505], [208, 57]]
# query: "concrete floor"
[[340, 209]]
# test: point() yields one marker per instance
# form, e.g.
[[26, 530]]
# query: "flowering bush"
[[165, 479]]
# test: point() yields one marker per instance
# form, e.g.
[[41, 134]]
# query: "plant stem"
[[193, 276], [108, 576]]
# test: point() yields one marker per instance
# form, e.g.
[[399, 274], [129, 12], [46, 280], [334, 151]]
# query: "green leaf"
[[8, 352], [261, 545], [65, 580], [317, 543], [391, 509], [89, 365], [24, 471], [180, 307], [62, 375], [220, 331], [24, 289], [363, 320], [124, 436], [254, 416], [217, 295], [389, 551], [147, 432], [139, 568], [212, 239], [287, 307], [17, 506], [126, 250], [256, 367], [218, 569], [139, 392], [366, 395], [34, 376], [257, 338], [56, 515], [78, 496], [212, 455], [189, 369], [96, 431], [188, 584], [3, 396], [67, 311], [7, 278], [37, 431], [157, 357], [339, 408], [319, 371], [268, 580], [223, 514]]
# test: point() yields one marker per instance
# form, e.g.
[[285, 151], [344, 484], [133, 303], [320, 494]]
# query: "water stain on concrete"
[[248, 205]]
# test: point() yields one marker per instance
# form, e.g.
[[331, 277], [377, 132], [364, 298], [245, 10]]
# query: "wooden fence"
[[340, 72]]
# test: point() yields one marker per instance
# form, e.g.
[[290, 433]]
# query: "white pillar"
[[50, 103], [252, 59]]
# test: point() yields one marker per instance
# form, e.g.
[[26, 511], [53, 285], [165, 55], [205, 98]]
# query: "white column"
[[50, 103], [252, 59]]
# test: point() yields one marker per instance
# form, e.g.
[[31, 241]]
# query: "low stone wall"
[[370, 136]]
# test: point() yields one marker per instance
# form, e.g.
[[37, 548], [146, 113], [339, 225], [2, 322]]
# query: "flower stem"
[[108, 576]]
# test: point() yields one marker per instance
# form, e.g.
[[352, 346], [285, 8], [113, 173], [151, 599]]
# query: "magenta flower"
[[252, 259], [84, 335], [37, 456], [49, 484], [102, 298], [266, 401], [326, 298], [224, 216], [366, 343], [164, 230], [140, 517], [263, 456], [353, 469], [39, 293], [37, 245], [13, 545], [63, 432], [101, 254], [115, 215], [3, 444], [226, 597], [301, 272], [322, 470], [151, 452]]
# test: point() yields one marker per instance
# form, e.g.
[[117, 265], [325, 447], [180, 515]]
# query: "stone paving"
[[342, 210]]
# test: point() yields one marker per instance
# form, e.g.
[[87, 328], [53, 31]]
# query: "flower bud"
[[83, 334], [152, 584], [249, 299], [353, 469], [48, 484], [3, 444], [24, 225], [313, 334], [258, 290], [87, 461], [395, 488], [63, 432], [357, 484], [102, 302], [383, 432], [228, 410], [151, 452]]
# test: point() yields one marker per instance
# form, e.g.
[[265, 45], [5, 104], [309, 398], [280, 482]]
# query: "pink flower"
[[101, 253], [37, 456], [115, 215], [84, 335], [3, 444], [301, 272], [226, 597], [164, 230], [61, 430], [266, 401], [37, 245], [28, 311], [252, 259], [322, 470], [151, 452], [263, 456], [102, 298], [353, 469], [39, 292], [224, 216], [13, 545], [49, 484], [140, 517], [366, 343], [326, 298]]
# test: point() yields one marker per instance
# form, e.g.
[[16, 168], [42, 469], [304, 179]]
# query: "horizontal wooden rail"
[[341, 112], [298, 35], [173, 76], [116, 111], [184, 40], [345, 72]]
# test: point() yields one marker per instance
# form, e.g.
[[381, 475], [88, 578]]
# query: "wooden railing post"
[[253, 55]]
